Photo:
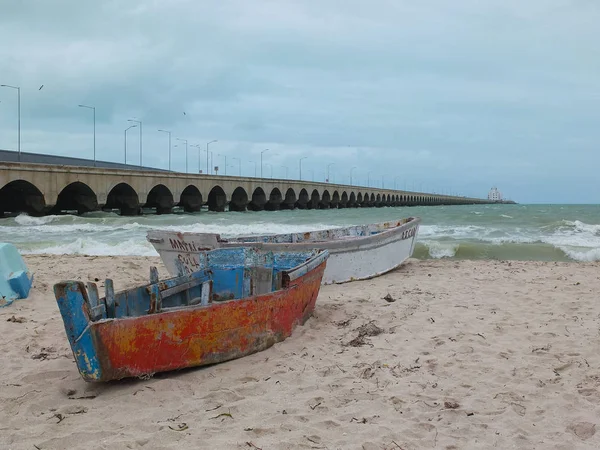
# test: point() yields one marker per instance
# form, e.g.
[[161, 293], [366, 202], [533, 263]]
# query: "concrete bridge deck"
[[40, 189]]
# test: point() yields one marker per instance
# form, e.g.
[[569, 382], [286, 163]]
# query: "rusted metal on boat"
[[356, 252], [240, 301]]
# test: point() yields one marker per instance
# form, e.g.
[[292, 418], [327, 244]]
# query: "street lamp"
[[271, 167], [300, 164], [328, 166], [286, 171], [131, 126], [381, 181], [165, 131], [225, 156], [93, 108], [198, 147], [254, 167], [139, 122], [18, 88], [261, 163], [207, 144], [239, 165], [351, 175], [186, 153]]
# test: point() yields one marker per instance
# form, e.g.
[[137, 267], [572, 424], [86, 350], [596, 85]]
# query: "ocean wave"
[[26, 220], [82, 246], [584, 255], [67, 224], [438, 250], [231, 230], [506, 251]]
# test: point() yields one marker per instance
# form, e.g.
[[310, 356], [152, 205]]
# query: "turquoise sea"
[[518, 232]]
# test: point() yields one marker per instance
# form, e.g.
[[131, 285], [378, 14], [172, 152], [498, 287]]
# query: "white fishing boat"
[[355, 253]]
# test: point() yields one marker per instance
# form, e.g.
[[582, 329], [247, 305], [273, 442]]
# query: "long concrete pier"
[[39, 189]]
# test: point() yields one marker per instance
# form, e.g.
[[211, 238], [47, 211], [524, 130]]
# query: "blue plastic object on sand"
[[15, 278]]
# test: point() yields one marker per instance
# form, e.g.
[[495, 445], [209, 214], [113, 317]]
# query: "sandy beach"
[[469, 355]]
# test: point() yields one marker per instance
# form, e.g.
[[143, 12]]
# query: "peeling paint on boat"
[[160, 326], [356, 253]]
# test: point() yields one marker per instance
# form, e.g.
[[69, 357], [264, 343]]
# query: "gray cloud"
[[442, 95]]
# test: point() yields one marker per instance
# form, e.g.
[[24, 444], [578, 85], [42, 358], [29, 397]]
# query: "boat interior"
[[223, 274]]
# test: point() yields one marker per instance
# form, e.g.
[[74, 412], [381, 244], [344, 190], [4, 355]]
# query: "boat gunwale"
[[318, 258], [354, 241]]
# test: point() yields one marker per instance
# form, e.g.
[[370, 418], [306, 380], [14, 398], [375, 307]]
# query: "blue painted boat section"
[[73, 304], [15, 278], [234, 269]]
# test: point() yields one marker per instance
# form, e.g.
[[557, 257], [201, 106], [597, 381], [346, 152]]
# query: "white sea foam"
[[584, 255], [438, 250], [230, 230], [506, 216], [83, 246], [25, 220]]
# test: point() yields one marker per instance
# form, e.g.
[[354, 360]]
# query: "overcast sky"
[[440, 95]]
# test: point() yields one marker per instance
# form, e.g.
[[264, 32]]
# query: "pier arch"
[[290, 200], [20, 196], [124, 198], [76, 196], [259, 200], [161, 198], [275, 199], [352, 200], [325, 202], [239, 200], [217, 200], [191, 199], [302, 202], [314, 200]]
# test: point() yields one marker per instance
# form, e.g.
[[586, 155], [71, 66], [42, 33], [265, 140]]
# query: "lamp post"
[[18, 88], [131, 126], [351, 175], [286, 171], [369, 179], [93, 108], [198, 147], [328, 166], [254, 167], [300, 164], [395, 178], [239, 166], [261, 163], [169, 133], [271, 168], [225, 156], [186, 153], [207, 144], [381, 181], [139, 122]]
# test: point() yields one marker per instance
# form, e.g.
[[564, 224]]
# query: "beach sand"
[[471, 354]]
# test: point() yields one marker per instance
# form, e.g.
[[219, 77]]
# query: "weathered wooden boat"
[[355, 253], [239, 301]]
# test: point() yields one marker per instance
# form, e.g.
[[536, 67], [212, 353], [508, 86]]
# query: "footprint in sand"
[[583, 430], [590, 388]]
